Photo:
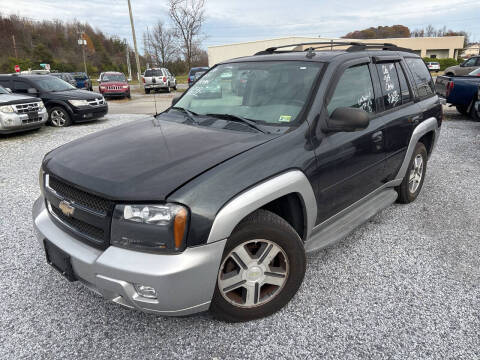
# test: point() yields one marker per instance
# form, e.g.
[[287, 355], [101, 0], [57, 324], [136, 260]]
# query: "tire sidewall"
[[292, 246]]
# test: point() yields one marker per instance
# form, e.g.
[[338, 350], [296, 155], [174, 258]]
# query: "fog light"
[[145, 291]]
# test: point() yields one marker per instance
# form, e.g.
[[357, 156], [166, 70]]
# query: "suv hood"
[[76, 94], [10, 99], [146, 160]]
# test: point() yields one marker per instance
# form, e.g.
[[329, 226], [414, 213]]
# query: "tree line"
[[401, 31]]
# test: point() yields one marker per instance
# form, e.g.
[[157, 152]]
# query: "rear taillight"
[[164, 79], [449, 88], [143, 79]]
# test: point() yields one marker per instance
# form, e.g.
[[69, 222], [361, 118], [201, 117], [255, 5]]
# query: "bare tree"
[[188, 17], [161, 44]]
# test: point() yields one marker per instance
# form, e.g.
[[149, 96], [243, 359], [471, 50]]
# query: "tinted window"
[[470, 62], [194, 71], [51, 83], [390, 84], [354, 89], [151, 72], [5, 83], [3, 91], [21, 86], [421, 76], [406, 96], [478, 61]]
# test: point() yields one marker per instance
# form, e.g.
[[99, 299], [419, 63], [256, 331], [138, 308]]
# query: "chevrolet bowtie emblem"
[[67, 208]]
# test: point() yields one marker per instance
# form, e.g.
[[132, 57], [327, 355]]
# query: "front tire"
[[413, 181], [262, 267], [147, 91], [59, 117]]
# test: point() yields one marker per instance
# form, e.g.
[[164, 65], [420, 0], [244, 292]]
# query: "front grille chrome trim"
[[71, 228], [101, 214]]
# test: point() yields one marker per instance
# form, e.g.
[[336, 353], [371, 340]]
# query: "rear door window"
[[390, 85], [151, 72], [21, 86], [354, 89], [421, 76]]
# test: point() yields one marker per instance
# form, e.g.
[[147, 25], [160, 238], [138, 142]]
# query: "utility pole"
[[14, 46], [129, 67], [134, 40], [83, 43]]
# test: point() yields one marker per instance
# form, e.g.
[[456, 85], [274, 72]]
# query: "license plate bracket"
[[59, 260], [32, 115]]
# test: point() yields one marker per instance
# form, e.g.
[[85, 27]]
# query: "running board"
[[338, 227]]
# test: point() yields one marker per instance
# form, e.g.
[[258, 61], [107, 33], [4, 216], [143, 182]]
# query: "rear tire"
[[147, 91], [473, 113], [273, 259], [462, 109], [413, 181]]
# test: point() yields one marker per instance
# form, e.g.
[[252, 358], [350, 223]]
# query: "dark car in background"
[[114, 84], [82, 81], [195, 74], [65, 103], [65, 77]]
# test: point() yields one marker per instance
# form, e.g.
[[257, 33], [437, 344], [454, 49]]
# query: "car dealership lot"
[[404, 285]]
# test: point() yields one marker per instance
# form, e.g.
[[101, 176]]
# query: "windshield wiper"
[[190, 114], [236, 118]]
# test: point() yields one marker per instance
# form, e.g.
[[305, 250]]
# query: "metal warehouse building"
[[435, 47]]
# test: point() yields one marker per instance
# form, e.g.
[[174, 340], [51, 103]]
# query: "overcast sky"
[[246, 20]]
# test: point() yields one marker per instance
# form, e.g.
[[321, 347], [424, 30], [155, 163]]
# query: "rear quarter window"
[[421, 76]]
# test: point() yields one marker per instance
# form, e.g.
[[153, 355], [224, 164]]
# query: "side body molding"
[[423, 128], [235, 210]]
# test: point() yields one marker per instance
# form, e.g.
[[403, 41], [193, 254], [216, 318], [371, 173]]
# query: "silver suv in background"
[[464, 68], [20, 112], [158, 79]]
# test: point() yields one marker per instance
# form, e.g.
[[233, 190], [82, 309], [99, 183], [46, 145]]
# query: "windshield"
[[3, 91], [113, 77], [52, 83], [270, 93], [150, 73]]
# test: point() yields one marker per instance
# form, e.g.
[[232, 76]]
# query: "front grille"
[[78, 196], [31, 121], [26, 108], [80, 226], [90, 217], [96, 102]]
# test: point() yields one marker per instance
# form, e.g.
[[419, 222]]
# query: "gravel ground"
[[404, 285]]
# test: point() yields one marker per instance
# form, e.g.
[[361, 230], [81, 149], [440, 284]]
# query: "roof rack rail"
[[354, 46]]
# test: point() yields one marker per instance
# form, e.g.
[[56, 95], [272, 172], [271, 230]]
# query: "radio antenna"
[[154, 81]]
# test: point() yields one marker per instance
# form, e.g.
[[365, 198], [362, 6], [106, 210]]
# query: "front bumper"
[[184, 283], [88, 113], [13, 122]]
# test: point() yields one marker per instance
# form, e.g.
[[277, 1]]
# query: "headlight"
[[7, 109], [78, 102], [161, 228], [41, 105], [125, 86]]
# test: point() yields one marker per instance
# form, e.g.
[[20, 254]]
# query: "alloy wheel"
[[416, 174], [253, 273], [58, 118]]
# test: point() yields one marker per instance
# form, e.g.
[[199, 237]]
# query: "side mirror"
[[129, 79], [175, 99], [98, 80], [348, 119], [32, 91]]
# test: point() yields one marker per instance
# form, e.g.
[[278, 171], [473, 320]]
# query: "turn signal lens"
[[179, 227]]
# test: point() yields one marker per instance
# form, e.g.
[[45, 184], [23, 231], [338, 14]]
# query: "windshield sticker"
[[285, 118]]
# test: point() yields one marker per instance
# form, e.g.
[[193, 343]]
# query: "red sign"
[[17, 68]]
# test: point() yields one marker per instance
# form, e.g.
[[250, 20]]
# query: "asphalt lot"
[[404, 285]]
